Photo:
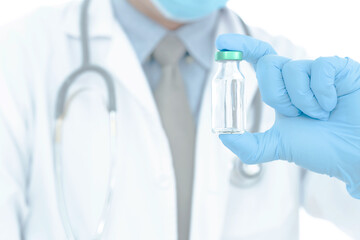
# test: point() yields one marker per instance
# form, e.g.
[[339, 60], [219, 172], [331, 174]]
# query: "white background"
[[322, 27]]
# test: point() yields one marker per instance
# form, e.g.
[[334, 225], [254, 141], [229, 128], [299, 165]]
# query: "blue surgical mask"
[[188, 10]]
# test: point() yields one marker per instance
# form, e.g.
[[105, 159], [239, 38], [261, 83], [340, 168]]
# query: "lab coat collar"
[[196, 35], [100, 15], [103, 25]]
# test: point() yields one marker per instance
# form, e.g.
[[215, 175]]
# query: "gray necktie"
[[179, 125]]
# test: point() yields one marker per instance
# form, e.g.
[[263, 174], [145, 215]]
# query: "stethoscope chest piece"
[[244, 175]]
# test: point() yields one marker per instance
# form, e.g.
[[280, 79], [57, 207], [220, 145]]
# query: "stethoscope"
[[243, 175], [60, 114]]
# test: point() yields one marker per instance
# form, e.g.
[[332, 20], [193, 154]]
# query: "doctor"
[[153, 197]]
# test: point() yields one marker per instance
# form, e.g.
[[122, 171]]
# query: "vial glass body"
[[228, 112]]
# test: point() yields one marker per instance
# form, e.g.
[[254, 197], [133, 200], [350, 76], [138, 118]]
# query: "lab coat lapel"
[[126, 68], [121, 61], [213, 160]]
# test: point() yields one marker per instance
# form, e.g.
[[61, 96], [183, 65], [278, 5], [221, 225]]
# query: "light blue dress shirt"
[[198, 38]]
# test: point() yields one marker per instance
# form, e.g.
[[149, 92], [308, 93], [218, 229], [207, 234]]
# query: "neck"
[[149, 10]]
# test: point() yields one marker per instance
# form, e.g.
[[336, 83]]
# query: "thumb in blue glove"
[[317, 107]]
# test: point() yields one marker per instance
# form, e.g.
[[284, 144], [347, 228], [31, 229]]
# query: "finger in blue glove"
[[317, 107]]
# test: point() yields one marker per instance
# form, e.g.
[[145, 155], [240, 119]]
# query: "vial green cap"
[[228, 55]]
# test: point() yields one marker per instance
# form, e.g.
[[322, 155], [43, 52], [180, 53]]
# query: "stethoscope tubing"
[[60, 115]]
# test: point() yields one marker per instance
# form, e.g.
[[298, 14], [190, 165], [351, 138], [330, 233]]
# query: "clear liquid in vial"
[[228, 116]]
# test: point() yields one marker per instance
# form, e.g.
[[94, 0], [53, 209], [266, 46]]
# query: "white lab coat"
[[36, 55]]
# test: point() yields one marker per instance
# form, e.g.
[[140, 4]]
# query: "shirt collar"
[[144, 33], [199, 38]]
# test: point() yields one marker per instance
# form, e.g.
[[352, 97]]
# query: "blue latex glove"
[[317, 107]]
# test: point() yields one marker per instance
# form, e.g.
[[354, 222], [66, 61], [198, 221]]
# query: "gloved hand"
[[317, 106]]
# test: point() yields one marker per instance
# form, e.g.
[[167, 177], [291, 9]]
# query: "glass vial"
[[228, 110]]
